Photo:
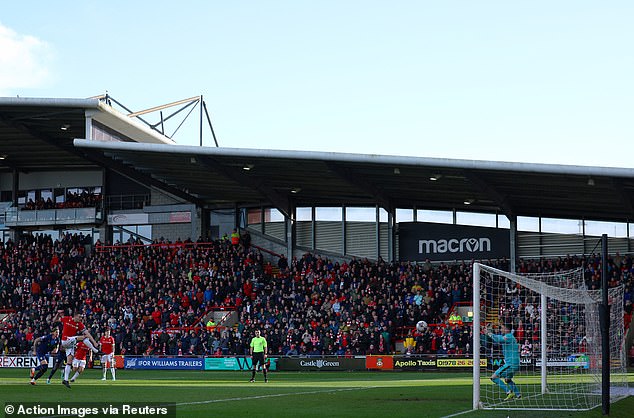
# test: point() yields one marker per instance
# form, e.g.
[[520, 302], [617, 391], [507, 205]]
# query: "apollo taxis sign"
[[433, 363], [420, 241], [411, 363], [458, 362]]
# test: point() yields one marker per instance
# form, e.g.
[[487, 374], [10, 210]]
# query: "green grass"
[[288, 394]]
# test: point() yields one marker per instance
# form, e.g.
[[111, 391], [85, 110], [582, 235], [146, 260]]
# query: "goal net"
[[559, 365]]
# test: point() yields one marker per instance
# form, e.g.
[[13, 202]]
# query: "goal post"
[[476, 336], [560, 355]]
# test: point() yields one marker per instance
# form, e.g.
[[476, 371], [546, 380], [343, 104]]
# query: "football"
[[421, 326]]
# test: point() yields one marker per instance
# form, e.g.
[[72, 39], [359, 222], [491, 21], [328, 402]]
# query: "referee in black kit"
[[258, 355]]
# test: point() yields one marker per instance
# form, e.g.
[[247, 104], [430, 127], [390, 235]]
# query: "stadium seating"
[[154, 297]]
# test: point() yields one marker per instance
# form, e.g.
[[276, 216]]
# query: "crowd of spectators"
[[155, 297], [85, 199]]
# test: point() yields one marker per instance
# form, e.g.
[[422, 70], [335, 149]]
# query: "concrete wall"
[[158, 197], [162, 204], [173, 232]]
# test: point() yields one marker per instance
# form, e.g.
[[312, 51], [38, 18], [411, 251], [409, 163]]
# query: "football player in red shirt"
[[79, 362], [72, 326], [107, 359]]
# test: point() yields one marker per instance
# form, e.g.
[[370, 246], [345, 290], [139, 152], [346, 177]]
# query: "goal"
[[560, 352]]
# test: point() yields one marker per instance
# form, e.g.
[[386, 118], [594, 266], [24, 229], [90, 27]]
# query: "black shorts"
[[258, 358], [60, 358]]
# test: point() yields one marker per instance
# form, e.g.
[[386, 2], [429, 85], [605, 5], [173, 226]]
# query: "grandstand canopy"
[[37, 134], [48, 134], [301, 178]]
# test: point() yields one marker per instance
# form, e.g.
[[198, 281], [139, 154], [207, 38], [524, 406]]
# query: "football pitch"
[[287, 394]]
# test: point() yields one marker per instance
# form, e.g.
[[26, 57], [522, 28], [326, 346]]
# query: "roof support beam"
[[142, 178], [278, 200], [357, 181], [489, 190]]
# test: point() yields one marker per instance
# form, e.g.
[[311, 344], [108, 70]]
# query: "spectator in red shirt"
[[156, 316]]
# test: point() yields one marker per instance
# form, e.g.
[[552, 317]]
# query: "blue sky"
[[540, 81]]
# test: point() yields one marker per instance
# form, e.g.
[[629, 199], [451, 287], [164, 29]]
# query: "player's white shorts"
[[107, 358], [69, 345], [79, 363]]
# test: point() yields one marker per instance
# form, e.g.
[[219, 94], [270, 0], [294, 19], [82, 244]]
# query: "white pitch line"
[[275, 395], [254, 397], [458, 413]]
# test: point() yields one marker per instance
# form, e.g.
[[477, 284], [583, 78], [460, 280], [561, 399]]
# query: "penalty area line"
[[458, 413], [275, 395]]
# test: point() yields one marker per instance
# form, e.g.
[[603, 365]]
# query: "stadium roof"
[[254, 177], [37, 135]]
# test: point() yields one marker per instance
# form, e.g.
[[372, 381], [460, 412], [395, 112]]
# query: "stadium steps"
[[493, 314], [222, 318], [5, 316]]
